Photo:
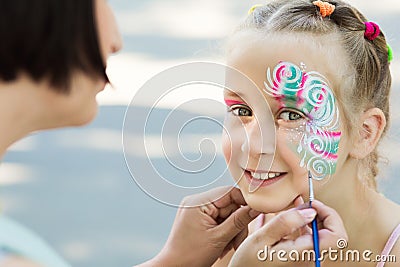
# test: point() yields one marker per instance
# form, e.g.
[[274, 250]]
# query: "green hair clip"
[[390, 53]]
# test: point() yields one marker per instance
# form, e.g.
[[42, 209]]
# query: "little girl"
[[323, 69]]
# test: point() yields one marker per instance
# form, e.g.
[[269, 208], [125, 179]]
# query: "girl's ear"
[[373, 123]]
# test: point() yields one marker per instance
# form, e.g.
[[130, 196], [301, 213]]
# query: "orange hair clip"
[[325, 8]]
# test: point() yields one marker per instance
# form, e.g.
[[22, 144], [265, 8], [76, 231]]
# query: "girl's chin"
[[266, 205]]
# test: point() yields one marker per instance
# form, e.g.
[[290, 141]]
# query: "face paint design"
[[309, 93], [230, 102]]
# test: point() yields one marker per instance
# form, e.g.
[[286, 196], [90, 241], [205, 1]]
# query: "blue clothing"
[[18, 240]]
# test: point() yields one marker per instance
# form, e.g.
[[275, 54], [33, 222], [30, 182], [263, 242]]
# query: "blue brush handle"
[[315, 241]]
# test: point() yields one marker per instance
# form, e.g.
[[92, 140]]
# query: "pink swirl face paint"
[[310, 94]]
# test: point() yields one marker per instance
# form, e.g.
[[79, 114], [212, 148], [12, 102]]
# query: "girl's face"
[[80, 105], [269, 151]]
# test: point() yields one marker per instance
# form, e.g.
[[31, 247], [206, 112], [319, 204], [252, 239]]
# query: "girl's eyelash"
[[233, 108], [298, 112], [234, 105]]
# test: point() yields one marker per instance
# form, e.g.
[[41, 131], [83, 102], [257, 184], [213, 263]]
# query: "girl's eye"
[[240, 111], [290, 115]]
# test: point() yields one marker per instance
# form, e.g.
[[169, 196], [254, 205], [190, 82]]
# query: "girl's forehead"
[[254, 56], [243, 96]]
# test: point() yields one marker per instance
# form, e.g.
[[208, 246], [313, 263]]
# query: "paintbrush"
[[314, 223]]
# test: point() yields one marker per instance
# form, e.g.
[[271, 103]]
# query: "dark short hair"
[[49, 39]]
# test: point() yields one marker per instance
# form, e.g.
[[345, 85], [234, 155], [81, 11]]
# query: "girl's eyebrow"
[[230, 102], [234, 94], [232, 98]]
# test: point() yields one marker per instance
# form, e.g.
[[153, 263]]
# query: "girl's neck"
[[368, 216]]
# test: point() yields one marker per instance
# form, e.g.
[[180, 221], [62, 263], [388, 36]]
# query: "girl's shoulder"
[[390, 255]]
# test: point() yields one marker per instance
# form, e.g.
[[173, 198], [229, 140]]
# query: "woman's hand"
[[288, 231], [206, 231]]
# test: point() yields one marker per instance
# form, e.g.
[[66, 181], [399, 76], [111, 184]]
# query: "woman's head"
[[356, 69], [62, 43]]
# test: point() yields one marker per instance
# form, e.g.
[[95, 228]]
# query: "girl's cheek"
[[309, 150], [287, 143], [226, 147]]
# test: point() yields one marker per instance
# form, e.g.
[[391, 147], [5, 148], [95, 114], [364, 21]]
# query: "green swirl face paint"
[[310, 94]]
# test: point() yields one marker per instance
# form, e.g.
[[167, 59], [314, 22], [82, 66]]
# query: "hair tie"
[[325, 8], [251, 10], [372, 30], [390, 53]]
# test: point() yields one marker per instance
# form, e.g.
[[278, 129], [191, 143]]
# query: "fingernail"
[[253, 213], [308, 214]]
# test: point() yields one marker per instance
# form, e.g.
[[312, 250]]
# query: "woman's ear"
[[373, 123]]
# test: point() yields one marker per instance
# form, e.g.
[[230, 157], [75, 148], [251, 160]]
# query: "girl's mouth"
[[263, 178]]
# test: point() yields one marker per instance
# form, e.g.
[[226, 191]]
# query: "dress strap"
[[390, 244]]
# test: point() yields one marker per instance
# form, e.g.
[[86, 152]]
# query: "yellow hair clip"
[[251, 10]]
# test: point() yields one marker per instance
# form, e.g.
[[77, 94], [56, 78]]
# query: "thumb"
[[286, 223], [236, 222]]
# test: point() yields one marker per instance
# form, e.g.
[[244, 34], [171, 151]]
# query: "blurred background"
[[73, 187]]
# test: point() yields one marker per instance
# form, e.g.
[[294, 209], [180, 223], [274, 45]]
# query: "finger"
[[306, 230], [226, 250], [332, 227], [232, 196], [299, 204], [210, 196], [239, 238], [228, 210], [235, 223], [210, 210], [286, 223], [302, 243], [329, 217], [298, 201]]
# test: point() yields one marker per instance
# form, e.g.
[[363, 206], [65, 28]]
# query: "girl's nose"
[[259, 139]]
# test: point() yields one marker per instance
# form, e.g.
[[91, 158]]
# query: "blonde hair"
[[369, 83]]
